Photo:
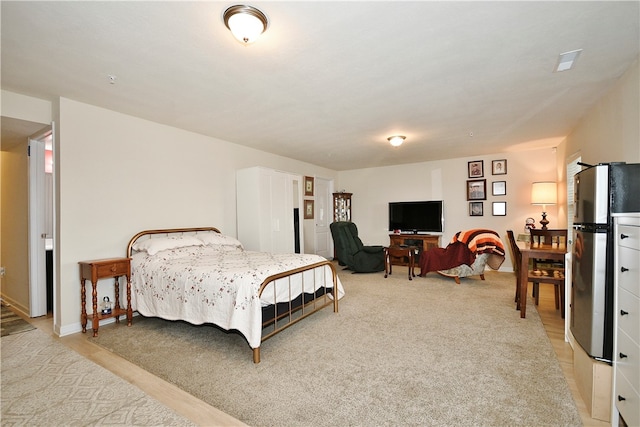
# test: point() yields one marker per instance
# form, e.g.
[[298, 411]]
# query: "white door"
[[323, 218], [37, 224], [572, 168]]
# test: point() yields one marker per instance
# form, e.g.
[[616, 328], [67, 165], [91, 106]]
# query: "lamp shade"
[[544, 193], [246, 23]]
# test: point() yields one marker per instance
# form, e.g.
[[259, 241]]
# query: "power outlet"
[[2, 271]]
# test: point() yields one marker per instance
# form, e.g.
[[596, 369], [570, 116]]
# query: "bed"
[[200, 276]]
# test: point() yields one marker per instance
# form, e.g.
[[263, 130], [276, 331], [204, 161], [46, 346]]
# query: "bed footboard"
[[295, 309]]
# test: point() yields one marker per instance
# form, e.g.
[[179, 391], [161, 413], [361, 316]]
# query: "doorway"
[[41, 223], [323, 216]]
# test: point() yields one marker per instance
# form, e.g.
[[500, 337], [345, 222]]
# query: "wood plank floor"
[[554, 326], [205, 415]]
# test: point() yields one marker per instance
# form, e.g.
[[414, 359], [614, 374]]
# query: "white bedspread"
[[204, 284]]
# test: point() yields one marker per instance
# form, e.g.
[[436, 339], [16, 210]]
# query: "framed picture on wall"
[[308, 209], [476, 209], [499, 167], [499, 208], [308, 186], [476, 169], [477, 189], [499, 188]]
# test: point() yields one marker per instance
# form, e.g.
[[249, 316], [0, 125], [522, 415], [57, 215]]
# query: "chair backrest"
[[346, 240], [516, 256], [548, 237], [353, 230]]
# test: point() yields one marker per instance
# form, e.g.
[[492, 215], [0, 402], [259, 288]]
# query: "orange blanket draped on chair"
[[463, 249], [482, 241]]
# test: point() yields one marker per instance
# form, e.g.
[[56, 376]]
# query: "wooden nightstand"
[[104, 269]]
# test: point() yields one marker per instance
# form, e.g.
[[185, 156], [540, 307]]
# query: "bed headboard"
[[149, 234]]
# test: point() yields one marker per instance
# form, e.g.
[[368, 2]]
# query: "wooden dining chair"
[[549, 271], [516, 259], [548, 237]]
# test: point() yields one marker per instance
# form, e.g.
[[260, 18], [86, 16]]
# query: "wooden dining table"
[[529, 251]]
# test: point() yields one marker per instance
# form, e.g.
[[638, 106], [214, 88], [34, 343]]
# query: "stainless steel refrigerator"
[[599, 191]]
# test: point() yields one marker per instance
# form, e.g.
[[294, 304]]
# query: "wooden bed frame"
[[283, 314]]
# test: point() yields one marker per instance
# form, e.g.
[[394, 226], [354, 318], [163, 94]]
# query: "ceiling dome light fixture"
[[396, 140], [245, 22]]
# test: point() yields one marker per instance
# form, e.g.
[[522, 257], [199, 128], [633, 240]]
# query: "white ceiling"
[[328, 82]]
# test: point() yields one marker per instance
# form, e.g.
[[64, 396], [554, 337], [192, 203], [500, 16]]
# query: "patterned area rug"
[[45, 383], [12, 323]]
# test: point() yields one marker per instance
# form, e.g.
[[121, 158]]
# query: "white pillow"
[[217, 239], [157, 244]]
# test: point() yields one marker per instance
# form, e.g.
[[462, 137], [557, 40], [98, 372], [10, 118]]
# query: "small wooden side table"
[[103, 269], [398, 254]]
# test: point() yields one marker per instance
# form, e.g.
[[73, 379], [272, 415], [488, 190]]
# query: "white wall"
[[610, 131], [446, 180], [119, 175], [24, 107]]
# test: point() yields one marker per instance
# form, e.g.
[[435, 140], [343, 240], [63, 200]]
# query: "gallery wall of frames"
[[480, 191]]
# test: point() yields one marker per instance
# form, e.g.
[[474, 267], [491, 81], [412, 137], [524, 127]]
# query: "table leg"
[[116, 306], [524, 281], [387, 264], [413, 264], [129, 310], [410, 263], [94, 301], [83, 305]]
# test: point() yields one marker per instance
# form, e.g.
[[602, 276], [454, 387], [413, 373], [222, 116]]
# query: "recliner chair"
[[351, 252]]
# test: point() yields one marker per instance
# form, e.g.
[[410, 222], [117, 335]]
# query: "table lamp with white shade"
[[544, 193]]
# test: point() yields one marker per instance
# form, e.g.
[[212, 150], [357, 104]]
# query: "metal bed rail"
[[294, 313]]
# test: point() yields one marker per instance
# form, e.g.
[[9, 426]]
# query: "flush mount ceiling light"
[[566, 60], [396, 140], [245, 22]]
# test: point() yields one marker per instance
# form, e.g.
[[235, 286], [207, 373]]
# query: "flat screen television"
[[416, 217]]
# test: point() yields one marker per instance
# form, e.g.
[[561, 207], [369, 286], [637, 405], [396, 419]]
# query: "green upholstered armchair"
[[352, 253]]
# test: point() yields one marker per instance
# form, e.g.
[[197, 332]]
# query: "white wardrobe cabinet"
[[265, 203]]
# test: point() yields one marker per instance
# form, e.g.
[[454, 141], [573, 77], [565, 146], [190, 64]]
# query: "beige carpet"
[[426, 352], [44, 383]]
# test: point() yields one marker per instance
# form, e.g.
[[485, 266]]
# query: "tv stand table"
[[424, 242], [421, 242]]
